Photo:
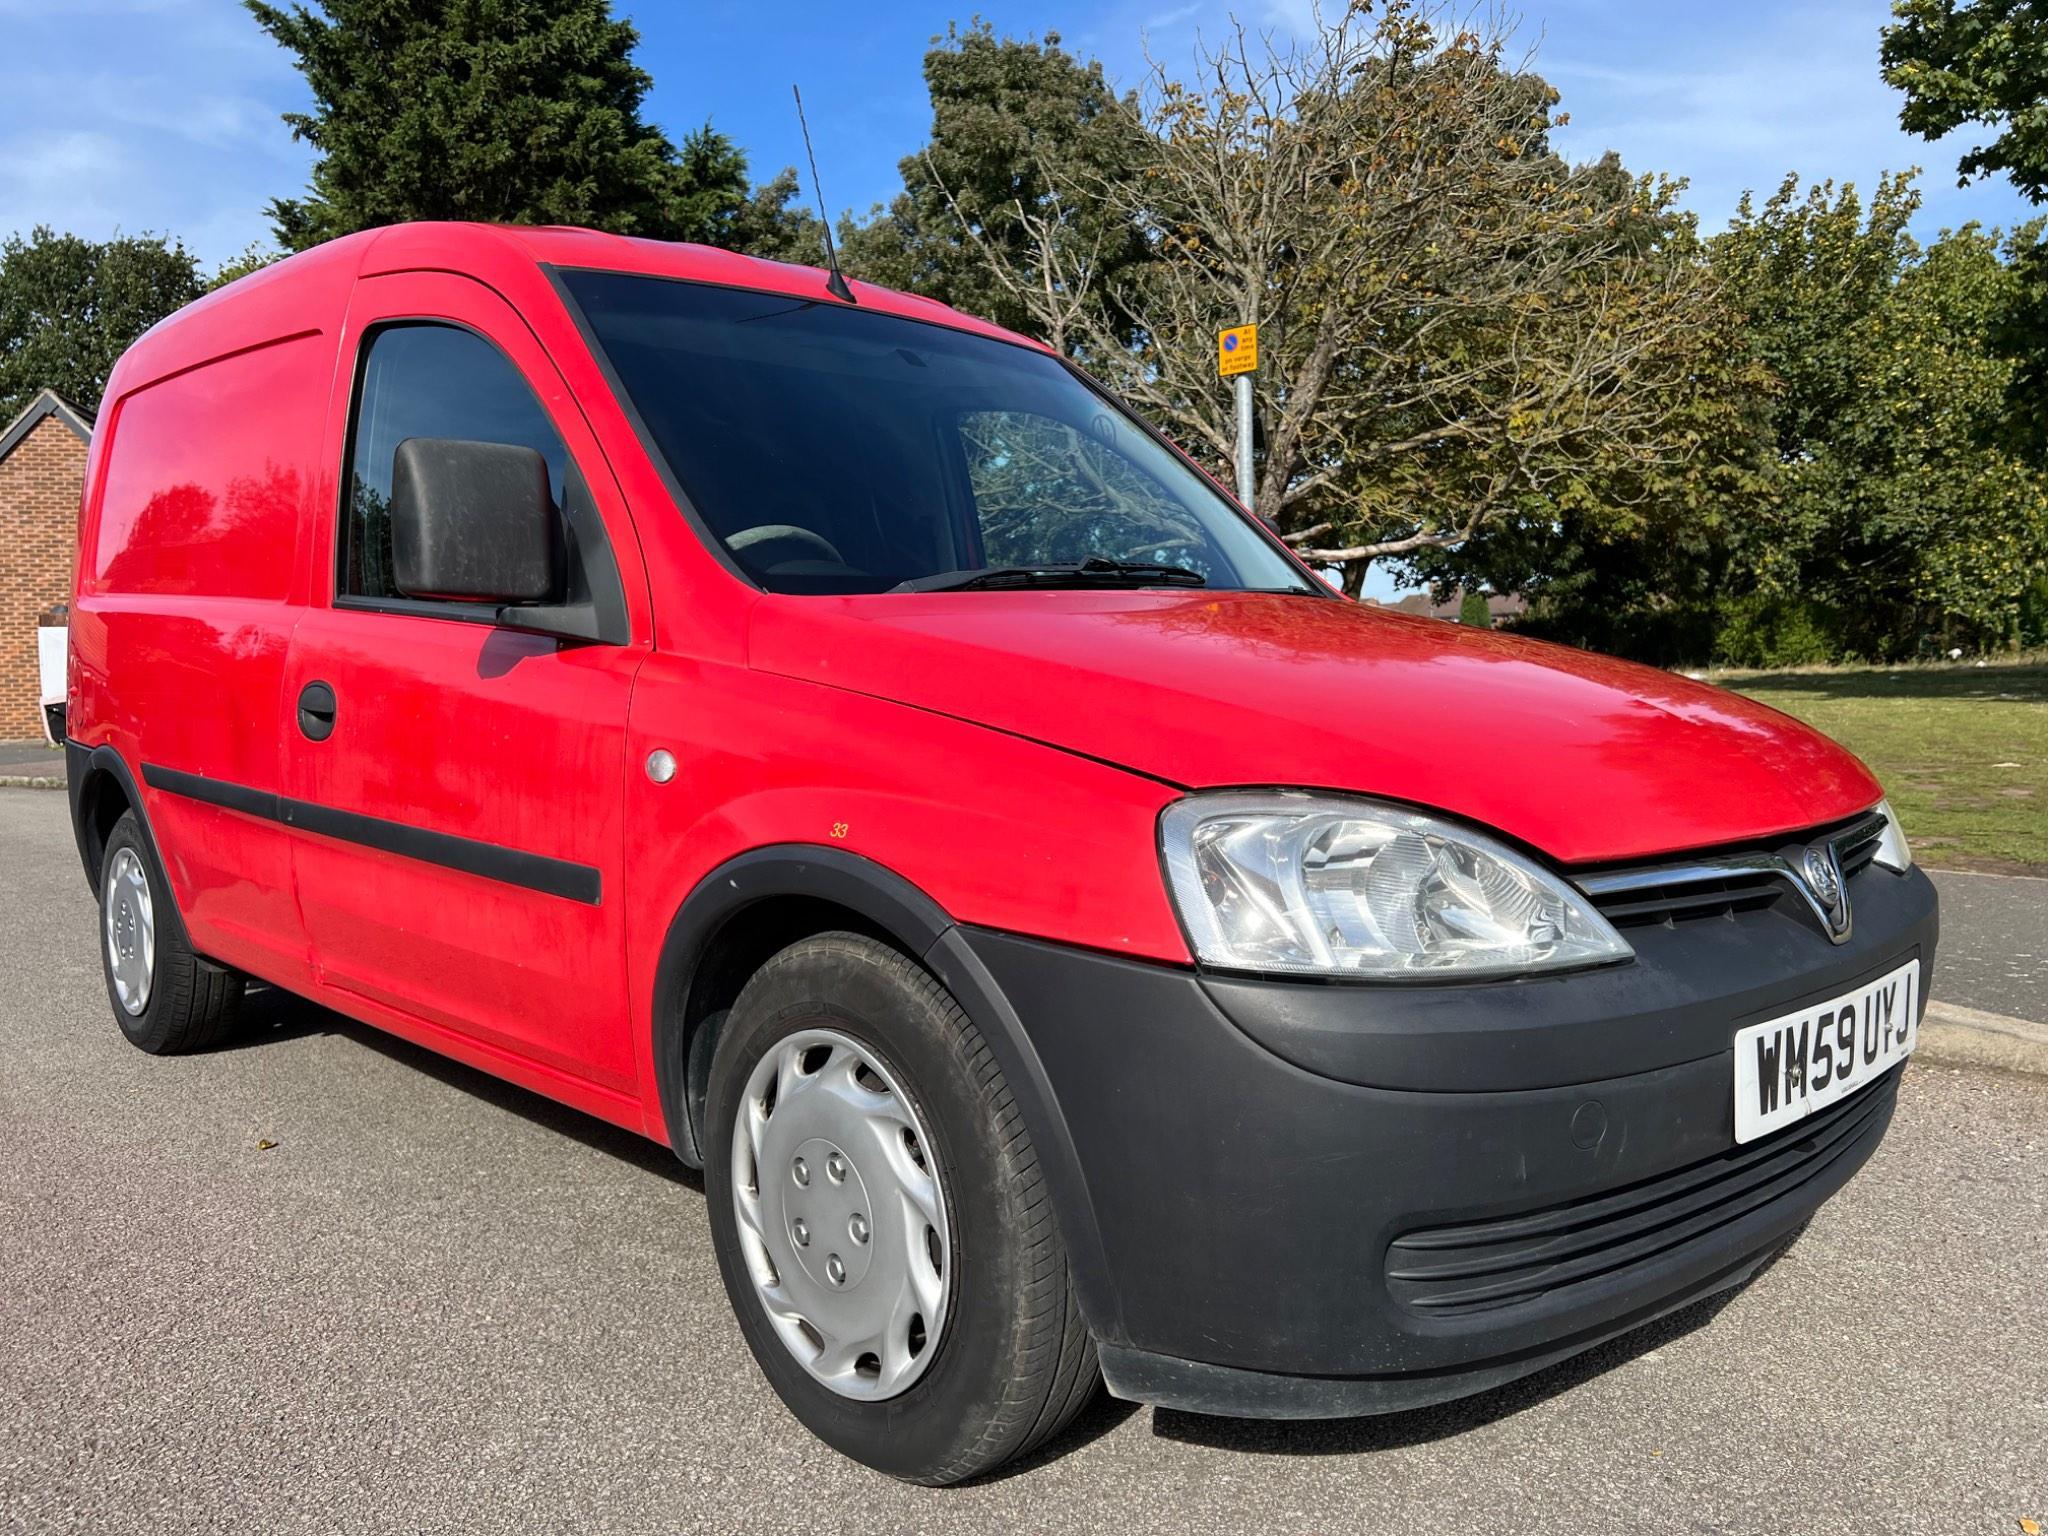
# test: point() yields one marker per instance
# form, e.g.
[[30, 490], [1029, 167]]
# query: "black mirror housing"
[[473, 522]]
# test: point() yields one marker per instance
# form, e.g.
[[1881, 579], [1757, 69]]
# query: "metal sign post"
[[1245, 490], [1237, 356]]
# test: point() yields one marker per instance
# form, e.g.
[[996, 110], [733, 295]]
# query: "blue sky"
[[162, 114]]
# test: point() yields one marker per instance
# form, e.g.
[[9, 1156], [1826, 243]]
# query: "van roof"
[[564, 246], [290, 296]]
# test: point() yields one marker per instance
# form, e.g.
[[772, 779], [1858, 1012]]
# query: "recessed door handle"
[[316, 711]]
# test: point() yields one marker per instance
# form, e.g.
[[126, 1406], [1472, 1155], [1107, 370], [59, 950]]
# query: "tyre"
[[166, 998], [881, 1224]]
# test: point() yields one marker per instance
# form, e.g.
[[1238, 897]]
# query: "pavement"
[[31, 765], [324, 1281]]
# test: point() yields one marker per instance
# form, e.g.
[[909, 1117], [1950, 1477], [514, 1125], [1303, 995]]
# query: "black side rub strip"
[[534, 871]]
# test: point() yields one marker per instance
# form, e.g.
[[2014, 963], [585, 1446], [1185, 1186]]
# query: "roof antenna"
[[836, 283]]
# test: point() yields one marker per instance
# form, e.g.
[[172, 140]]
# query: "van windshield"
[[837, 450]]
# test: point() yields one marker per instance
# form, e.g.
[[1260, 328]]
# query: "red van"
[[837, 739]]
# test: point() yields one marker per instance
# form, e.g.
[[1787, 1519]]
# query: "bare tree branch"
[[1456, 325]]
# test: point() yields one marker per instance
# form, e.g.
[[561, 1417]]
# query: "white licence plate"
[[1786, 1068]]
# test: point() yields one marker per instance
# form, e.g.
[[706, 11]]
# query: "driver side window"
[[1047, 493], [420, 379]]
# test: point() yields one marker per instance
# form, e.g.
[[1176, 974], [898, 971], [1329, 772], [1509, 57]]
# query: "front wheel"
[[881, 1223]]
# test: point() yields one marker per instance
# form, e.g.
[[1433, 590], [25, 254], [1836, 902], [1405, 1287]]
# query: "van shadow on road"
[[273, 1016], [1420, 1426], [1394, 1431]]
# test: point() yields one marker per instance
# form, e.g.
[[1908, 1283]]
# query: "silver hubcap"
[[131, 930], [842, 1220]]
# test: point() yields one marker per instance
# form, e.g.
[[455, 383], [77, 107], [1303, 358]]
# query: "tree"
[[1976, 61], [522, 111], [254, 258], [1636, 567], [69, 308], [1456, 326], [1853, 492], [1985, 62], [2021, 336], [1012, 122], [774, 222], [1972, 517], [1895, 519]]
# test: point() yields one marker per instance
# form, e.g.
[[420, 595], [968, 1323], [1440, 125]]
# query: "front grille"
[[1858, 846], [1723, 883], [1718, 894], [1546, 1255]]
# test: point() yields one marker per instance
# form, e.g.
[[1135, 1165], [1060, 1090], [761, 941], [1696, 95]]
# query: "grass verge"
[[1962, 750]]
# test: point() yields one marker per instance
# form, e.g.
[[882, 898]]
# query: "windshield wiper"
[[1095, 571]]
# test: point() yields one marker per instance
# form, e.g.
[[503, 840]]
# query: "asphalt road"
[[1994, 943], [438, 1303]]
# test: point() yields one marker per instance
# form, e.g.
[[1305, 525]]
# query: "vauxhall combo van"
[[831, 736]]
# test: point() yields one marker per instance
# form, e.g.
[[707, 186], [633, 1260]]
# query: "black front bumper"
[[1299, 1200]]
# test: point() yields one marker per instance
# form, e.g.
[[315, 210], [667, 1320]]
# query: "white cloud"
[[80, 9], [131, 115], [1731, 95], [163, 114], [1735, 97]]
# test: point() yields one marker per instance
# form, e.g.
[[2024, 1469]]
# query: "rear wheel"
[[881, 1223], [166, 998]]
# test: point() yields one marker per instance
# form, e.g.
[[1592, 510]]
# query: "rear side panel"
[[205, 490]]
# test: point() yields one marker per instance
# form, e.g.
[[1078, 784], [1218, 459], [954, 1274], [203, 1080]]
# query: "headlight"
[[1315, 885], [1892, 851]]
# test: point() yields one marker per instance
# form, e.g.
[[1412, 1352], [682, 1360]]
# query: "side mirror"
[[473, 522]]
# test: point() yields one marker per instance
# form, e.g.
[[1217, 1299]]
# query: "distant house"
[[1500, 607], [42, 476]]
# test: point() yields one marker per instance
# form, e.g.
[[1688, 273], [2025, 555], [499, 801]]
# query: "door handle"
[[316, 711]]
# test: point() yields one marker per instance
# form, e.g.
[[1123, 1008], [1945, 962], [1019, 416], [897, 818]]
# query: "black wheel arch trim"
[[878, 894], [924, 930], [83, 766]]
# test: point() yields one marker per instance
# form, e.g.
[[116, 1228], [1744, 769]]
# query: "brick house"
[[42, 476], [1498, 607]]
